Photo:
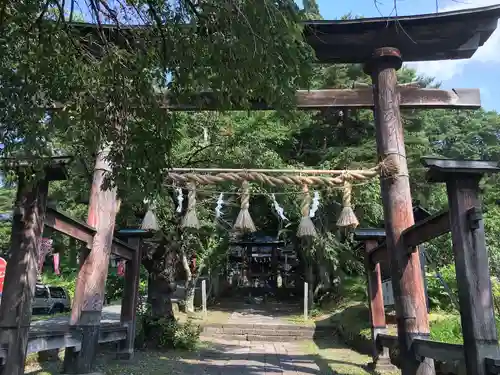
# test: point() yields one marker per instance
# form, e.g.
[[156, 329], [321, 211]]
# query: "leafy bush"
[[495, 289], [438, 295], [65, 280], [167, 334]]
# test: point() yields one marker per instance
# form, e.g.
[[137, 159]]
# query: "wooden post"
[[204, 297], [130, 299], [89, 292], [21, 272], [306, 300], [471, 259], [274, 267], [381, 359], [411, 312]]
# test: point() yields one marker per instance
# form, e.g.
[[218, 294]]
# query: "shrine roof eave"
[[436, 36]]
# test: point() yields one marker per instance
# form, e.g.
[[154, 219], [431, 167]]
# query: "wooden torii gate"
[[380, 44], [480, 353]]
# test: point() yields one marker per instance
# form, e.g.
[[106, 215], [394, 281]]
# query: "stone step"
[[263, 332], [256, 338], [276, 327]]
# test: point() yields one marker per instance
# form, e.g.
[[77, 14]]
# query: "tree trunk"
[[190, 285], [160, 293]]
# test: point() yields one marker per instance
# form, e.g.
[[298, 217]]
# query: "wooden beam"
[[65, 224], [423, 231], [69, 226], [410, 98], [379, 254], [122, 249], [387, 341], [426, 230], [438, 350]]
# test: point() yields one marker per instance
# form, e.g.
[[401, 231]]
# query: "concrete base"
[[383, 365]]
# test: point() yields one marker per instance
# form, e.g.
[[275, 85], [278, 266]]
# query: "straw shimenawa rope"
[[190, 219], [306, 226], [347, 218], [244, 222], [387, 168]]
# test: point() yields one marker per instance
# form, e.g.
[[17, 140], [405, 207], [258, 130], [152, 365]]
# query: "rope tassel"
[[347, 218], [244, 222], [306, 226], [150, 222], [190, 219]]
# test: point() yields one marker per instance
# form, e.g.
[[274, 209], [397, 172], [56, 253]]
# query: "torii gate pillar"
[[411, 311]]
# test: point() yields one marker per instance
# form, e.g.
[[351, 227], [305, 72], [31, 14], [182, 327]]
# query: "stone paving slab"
[[261, 358]]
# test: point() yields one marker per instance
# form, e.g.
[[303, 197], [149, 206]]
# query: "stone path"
[[256, 358]]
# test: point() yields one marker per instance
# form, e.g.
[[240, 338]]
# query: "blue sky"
[[481, 71]]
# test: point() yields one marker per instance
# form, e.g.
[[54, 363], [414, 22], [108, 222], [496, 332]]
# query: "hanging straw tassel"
[[306, 226], [347, 218], [190, 219], [244, 222], [150, 222]]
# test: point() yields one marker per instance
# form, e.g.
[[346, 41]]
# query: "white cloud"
[[447, 69]]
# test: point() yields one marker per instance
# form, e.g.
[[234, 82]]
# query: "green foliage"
[[439, 297], [66, 281], [168, 334]]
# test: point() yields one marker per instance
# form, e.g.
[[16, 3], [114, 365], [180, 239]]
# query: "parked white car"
[[51, 299]]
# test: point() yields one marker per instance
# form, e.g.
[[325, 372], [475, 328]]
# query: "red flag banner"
[[56, 258], [3, 266], [45, 248]]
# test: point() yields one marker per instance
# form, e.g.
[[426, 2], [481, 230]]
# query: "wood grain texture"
[[425, 230], [376, 306], [411, 311], [130, 300], [90, 284], [21, 272], [473, 277], [410, 98]]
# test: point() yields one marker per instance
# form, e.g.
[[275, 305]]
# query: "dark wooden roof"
[[437, 36], [440, 169]]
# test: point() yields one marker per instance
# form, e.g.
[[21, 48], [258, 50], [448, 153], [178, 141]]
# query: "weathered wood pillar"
[[471, 258], [381, 359], [22, 267], [90, 284], [411, 312], [130, 299]]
